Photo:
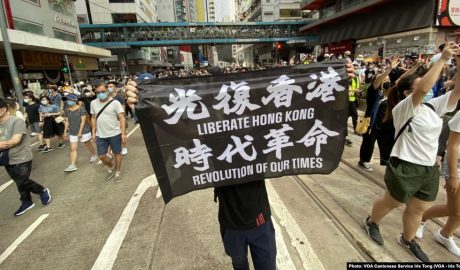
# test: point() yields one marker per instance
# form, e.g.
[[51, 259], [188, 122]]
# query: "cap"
[[70, 97], [146, 76]]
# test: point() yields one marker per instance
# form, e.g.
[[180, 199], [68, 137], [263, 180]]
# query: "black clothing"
[[20, 174], [373, 96], [33, 116], [86, 101], [244, 206]]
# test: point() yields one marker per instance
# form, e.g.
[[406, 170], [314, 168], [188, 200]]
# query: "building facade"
[[367, 27], [42, 33]]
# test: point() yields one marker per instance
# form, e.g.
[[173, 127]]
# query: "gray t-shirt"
[[21, 152], [107, 124], [75, 121]]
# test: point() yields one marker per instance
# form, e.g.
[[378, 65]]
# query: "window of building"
[[288, 13], [64, 35], [328, 11], [28, 26], [35, 2], [267, 1], [62, 6]]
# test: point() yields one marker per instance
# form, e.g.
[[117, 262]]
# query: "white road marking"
[[21, 238], [129, 134], [109, 252], [5, 185], [159, 193], [32, 145], [305, 251], [283, 259]]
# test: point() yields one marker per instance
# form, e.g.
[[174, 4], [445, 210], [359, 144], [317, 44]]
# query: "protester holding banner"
[[244, 209], [411, 176]]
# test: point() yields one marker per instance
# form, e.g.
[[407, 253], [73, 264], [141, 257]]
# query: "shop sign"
[[83, 63], [32, 76], [41, 60], [448, 13], [64, 20], [339, 47]]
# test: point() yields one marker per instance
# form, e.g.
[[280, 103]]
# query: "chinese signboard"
[[448, 13], [40, 60], [230, 129]]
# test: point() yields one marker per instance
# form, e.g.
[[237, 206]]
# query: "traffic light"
[[64, 67]]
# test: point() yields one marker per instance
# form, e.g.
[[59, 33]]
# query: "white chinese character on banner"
[[280, 140], [184, 101], [327, 85], [240, 99], [319, 134], [239, 148], [281, 92], [198, 155]]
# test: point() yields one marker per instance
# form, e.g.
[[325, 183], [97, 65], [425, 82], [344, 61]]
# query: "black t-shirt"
[[32, 112], [86, 101], [244, 206], [373, 96]]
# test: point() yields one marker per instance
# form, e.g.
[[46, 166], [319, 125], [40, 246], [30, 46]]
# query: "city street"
[[93, 224]]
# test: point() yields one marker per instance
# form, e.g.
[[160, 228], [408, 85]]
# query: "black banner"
[[230, 129]]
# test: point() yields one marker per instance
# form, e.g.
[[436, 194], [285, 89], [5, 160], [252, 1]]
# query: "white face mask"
[[26, 100], [44, 102], [88, 94]]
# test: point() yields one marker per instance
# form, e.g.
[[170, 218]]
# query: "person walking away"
[[373, 98], [16, 157], [451, 210], [108, 129], [354, 90], [78, 130], [48, 113], [115, 94], [32, 107], [411, 177]]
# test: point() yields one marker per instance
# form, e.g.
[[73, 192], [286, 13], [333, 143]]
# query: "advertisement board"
[[448, 13]]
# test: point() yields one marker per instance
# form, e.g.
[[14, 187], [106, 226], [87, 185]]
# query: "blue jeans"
[[261, 242], [20, 174]]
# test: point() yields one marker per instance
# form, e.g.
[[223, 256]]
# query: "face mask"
[[110, 89], [88, 94], [44, 102], [26, 100], [66, 93], [386, 85], [70, 102], [102, 96]]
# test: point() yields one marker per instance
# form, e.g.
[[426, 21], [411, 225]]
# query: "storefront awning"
[[21, 40]]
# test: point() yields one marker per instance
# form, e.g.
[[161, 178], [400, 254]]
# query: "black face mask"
[[386, 85]]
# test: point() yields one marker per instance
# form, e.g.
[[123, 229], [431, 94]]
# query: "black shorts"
[[51, 128]]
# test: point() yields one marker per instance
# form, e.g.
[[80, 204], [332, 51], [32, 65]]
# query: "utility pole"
[[9, 56], [68, 68], [88, 9]]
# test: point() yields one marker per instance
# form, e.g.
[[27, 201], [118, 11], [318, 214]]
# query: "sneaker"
[[41, 147], [348, 142], [448, 243], [110, 174], [33, 134], [93, 159], [118, 177], [45, 196], [373, 231], [414, 249], [25, 206], [46, 149], [365, 166], [419, 232], [61, 145], [71, 168], [124, 151]]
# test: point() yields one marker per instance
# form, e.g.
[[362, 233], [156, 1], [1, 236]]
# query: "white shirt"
[[436, 58], [454, 125], [419, 146]]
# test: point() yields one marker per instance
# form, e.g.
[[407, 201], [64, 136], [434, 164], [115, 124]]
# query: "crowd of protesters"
[[409, 101]]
